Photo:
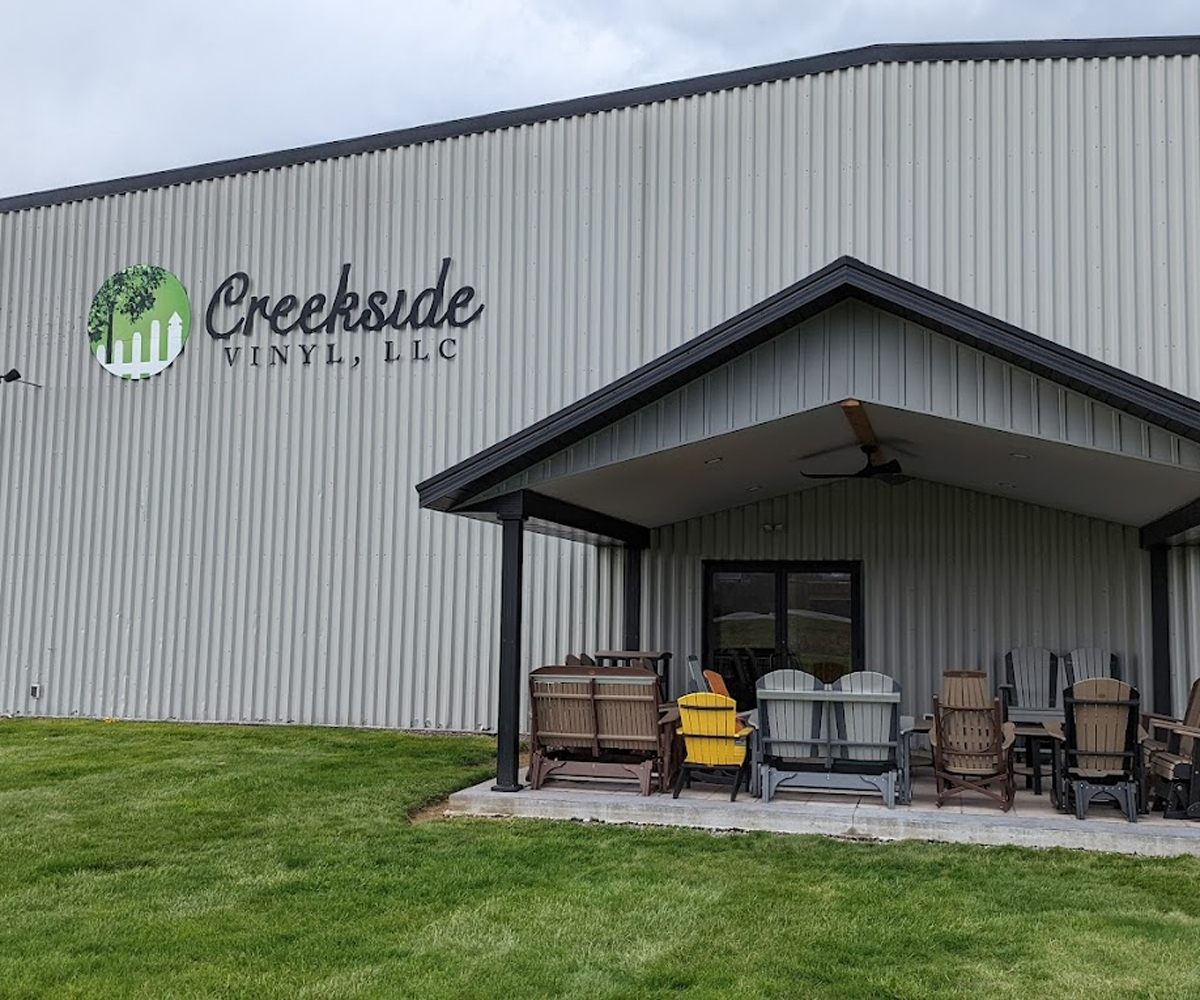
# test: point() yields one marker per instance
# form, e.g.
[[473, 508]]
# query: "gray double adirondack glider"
[[843, 736]]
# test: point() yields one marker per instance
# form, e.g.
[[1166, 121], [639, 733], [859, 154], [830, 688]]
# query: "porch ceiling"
[[764, 461]]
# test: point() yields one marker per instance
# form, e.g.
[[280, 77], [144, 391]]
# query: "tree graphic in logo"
[[139, 321]]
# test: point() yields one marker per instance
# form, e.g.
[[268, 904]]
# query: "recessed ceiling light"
[[1017, 454], [713, 461], [753, 489]]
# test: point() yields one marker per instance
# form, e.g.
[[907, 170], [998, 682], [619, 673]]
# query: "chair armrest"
[[1181, 730], [1006, 692], [1009, 729], [744, 732], [1159, 723], [1054, 729]]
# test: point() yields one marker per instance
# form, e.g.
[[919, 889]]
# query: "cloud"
[[89, 92]]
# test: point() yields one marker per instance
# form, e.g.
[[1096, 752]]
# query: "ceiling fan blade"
[[827, 451], [829, 475]]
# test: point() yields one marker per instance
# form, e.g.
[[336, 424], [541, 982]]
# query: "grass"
[[165, 861]]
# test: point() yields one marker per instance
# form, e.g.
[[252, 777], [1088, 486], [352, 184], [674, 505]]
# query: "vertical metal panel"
[[856, 350], [951, 579], [271, 563]]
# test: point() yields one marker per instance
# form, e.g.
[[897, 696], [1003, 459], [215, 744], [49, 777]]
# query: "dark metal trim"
[[537, 506], [1084, 48], [845, 278], [1169, 525], [781, 568], [633, 598], [1160, 628], [508, 723]]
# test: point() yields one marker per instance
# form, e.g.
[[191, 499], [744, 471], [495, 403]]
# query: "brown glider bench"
[[597, 722]]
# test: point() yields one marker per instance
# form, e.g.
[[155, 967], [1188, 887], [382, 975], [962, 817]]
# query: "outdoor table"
[[910, 728], [1034, 733]]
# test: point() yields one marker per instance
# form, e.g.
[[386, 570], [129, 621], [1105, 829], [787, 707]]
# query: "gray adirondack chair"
[[1086, 664], [792, 730], [1031, 691], [867, 746]]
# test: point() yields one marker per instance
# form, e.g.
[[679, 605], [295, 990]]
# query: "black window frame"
[[781, 568]]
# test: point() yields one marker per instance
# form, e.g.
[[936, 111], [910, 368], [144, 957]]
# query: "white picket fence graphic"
[[149, 355]]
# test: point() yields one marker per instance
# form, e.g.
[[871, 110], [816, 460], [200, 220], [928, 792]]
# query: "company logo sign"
[[139, 321], [140, 318]]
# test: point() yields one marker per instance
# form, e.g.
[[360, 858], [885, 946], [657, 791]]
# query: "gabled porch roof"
[[964, 397]]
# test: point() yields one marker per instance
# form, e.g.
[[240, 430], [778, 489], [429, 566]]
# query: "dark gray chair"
[[1031, 691], [1085, 664]]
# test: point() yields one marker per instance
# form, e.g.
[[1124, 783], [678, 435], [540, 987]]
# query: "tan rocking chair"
[[972, 745]]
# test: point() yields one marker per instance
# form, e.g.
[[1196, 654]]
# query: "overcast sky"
[[93, 91]]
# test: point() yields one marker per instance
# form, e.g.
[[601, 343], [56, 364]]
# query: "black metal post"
[[1160, 628], [508, 726], [633, 597]]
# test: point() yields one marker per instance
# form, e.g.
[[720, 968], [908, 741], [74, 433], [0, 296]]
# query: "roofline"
[[845, 278], [1083, 48]]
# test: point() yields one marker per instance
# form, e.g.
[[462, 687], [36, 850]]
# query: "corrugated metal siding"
[[952, 579], [271, 563], [855, 350]]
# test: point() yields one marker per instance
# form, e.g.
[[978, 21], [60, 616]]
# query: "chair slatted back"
[[709, 726], [966, 689], [627, 713], [1101, 724], [564, 716], [1085, 664], [791, 727], [969, 737], [580, 708], [868, 730], [1033, 675], [1191, 719], [715, 683], [1191, 716]]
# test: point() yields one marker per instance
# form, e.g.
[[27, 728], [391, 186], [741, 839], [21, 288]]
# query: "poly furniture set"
[[847, 735], [596, 721]]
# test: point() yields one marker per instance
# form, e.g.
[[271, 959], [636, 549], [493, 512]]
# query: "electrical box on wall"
[[35, 690]]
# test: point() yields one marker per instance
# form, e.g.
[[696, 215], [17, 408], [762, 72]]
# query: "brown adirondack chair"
[[716, 683], [1172, 760], [1100, 756], [596, 722], [972, 744]]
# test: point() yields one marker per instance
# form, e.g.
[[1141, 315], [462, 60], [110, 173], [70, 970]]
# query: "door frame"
[[781, 568]]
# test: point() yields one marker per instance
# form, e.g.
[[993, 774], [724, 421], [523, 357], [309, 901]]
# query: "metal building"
[[629, 327]]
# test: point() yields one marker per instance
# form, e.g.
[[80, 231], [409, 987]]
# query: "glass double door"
[[761, 616]]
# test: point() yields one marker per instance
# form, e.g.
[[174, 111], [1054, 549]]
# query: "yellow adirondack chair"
[[715, 740]]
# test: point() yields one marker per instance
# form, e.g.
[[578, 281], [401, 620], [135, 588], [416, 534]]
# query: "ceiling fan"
[[889, 472]]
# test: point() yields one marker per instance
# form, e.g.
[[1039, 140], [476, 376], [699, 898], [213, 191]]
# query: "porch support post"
[[633, 597], [1160, 628], [508, 727]]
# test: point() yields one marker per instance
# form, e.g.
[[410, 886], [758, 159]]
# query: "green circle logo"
[[139, 321]]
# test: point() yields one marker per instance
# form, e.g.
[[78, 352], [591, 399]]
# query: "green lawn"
[[165, 861]]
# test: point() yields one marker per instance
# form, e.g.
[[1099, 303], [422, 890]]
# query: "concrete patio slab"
[[1033, 822]]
